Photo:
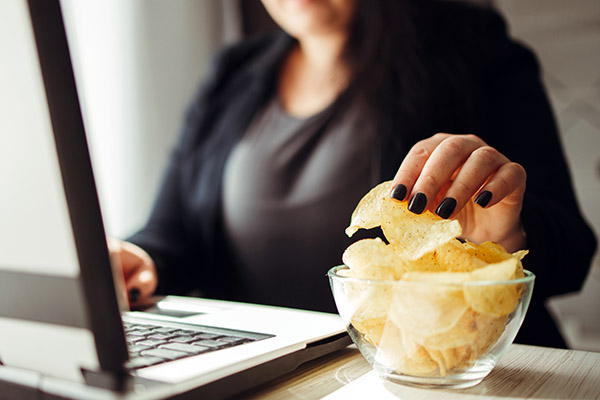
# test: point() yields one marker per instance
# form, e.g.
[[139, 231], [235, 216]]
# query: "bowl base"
[[455, 381], [431, 383]]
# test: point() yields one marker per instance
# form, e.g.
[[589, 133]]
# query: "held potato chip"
[[415, 235], [367, 214]]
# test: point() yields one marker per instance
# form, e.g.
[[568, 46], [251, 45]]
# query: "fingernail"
[[446, 207], [398, 192], [484, 198], [134, 295], [417, 203]]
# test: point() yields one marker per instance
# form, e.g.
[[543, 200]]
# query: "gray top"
[[290, 186]]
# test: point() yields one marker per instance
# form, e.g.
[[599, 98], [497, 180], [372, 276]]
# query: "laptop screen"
[[59, 311], [55, 275]]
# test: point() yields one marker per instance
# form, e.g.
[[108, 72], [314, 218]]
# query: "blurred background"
[[139, 62]]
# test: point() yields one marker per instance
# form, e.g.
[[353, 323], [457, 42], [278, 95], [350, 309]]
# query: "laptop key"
[[140, 362], [152, 342], [214, 344], [206, 335], [185, 332], [188, 348], [164, 353], [139, 332], [183, 339], [136, 348], [162, 335], [135, 339], [164, 329], [233, 339]]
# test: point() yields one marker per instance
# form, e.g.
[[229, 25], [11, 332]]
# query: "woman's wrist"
[[515, 240]]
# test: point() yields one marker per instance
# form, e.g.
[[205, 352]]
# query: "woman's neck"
[[313, 75], [322, 52]]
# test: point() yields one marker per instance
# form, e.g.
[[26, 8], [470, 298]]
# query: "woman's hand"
[[461, 177], [139, 272]]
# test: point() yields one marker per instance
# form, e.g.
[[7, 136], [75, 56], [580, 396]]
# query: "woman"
[[292, 128]]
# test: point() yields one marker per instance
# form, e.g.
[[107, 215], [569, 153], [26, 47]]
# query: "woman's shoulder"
[[251, 54], [475, 34], [466, 16]]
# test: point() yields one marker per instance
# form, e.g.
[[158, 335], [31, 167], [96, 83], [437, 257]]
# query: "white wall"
[[137, 63]]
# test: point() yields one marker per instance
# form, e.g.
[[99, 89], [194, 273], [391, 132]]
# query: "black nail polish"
[[398, 192], [446, 207], [134, 295], [484, 198], [417, 203]]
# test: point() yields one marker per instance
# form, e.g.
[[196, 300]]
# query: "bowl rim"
[[332, 274]]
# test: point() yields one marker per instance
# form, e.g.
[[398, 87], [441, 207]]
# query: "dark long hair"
[[385, 49]]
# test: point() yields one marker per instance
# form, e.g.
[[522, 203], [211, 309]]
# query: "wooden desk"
[[525, 372]]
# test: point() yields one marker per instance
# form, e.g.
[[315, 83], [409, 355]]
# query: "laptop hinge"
[[118, 382]]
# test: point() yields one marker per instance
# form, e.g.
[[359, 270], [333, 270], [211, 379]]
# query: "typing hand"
[[139, 272]]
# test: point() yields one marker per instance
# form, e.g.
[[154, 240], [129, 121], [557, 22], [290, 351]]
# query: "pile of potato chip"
[[428, 322]]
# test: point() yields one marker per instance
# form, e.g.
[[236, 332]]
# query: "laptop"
[[63, 330]]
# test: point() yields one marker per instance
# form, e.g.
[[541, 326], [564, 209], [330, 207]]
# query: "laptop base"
[[31, 387]]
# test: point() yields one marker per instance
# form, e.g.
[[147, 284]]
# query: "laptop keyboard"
[[151, 344]]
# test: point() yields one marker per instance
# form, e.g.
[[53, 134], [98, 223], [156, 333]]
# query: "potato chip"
[[500, 271], [365, 302], [497, 300], [426, 309], [367, 215], [415, 235], [519, 255], [454, 257], [468, 340], [490, 329], [427, 263], [372, 328], [399, 351], [373, 259], [452, 357], [468, 328], [491, 253], [443, 277]]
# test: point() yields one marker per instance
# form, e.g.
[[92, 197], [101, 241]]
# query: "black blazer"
[[480, 82]]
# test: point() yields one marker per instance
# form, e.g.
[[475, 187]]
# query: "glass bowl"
[[431, 334]]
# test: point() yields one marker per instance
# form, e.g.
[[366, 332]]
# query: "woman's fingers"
[[444, 172], [140, 273], [138, 270], [508, 183], [413, 164], [483, 163], [141, 283], [430, 167]]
